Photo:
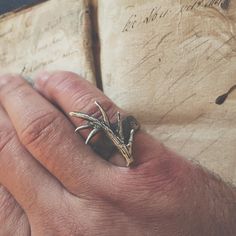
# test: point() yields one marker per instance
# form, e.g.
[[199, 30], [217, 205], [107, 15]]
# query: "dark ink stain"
[[222, 98], [225, 4]]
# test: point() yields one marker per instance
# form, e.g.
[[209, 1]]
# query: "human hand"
[[64, 188]]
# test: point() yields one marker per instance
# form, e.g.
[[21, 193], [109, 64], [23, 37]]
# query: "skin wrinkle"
[[38, 128], [6, 136]]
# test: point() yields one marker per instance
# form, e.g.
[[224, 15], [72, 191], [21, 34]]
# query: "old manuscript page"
[[166, 62], [54, 35]]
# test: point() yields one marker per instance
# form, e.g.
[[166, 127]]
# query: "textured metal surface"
[[120, 134]]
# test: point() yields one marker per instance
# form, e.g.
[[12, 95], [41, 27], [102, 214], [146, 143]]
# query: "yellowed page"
[[166, 61], [54, 35]]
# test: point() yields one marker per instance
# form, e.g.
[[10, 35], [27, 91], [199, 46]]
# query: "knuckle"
[[40, 129]]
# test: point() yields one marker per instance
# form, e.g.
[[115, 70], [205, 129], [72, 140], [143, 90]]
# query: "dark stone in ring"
[[225, 4]]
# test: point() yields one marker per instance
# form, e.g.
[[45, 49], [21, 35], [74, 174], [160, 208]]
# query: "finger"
[[73, 93], [13, 220], [49, 136], [21, 174]]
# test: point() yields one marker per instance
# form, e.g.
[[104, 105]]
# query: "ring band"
[[119, 135]]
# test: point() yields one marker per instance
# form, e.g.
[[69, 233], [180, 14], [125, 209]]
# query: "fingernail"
[[5, 78]]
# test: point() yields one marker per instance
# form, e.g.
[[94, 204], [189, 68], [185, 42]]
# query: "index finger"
[[49, 137]]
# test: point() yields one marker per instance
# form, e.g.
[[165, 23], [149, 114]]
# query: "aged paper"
[[166, 62], [54, 35]]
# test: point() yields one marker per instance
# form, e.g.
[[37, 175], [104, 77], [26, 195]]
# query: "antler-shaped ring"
[[117, 135]]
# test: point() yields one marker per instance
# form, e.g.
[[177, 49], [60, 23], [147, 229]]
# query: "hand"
[[64, 188]]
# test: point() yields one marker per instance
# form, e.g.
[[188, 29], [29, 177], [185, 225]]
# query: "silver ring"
[[119, 135]]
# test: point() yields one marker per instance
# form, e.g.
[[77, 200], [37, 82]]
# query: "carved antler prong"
[[104, 115], [83, 127], [131, 139], [120, 127], [91, 135], [83, 116]]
